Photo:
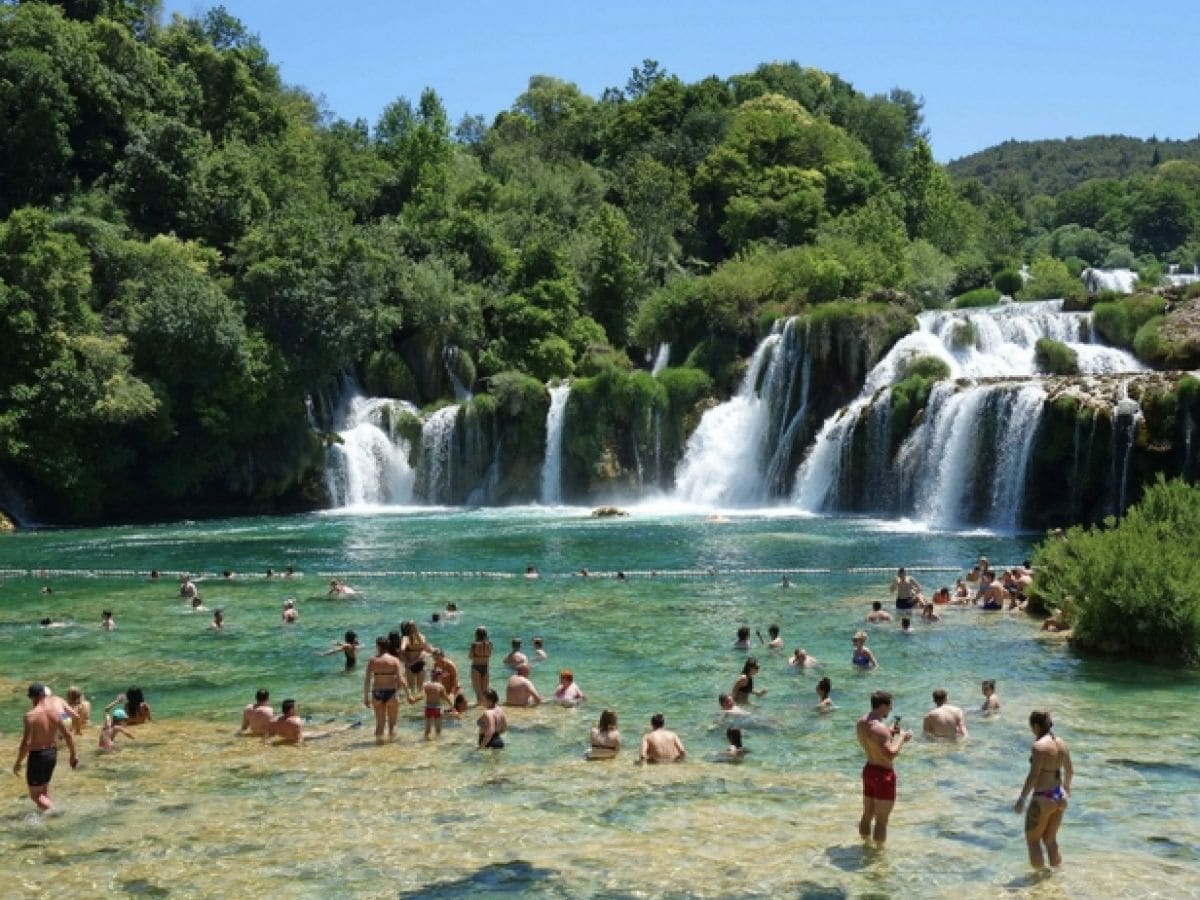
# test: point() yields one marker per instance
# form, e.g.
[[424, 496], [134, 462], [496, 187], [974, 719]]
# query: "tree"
[[612, 279]]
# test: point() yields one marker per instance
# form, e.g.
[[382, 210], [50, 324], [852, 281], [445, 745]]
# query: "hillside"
[[1053, 166]]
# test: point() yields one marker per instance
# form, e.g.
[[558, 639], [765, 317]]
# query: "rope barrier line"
[[415, 573]]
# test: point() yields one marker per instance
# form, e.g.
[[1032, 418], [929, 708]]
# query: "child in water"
[[110, 729]]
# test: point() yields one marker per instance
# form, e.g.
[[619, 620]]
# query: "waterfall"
[[436, 473], [967, 460], [1129, 412], [556, 419], [450, 355], [721, 465], [661, 359], [1122, 281], [370, 465]]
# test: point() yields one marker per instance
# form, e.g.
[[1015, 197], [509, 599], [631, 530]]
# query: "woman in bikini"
[[137, 709], [480, 654], [862, 657], [1049, 781], [605, 738], [743, 688], [413, 647]]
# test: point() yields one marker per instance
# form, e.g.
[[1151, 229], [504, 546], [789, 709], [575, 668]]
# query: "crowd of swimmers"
[[407, 665]]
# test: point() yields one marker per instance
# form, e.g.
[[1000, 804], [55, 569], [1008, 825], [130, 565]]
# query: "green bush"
[[1129, 588], [387, 375], [1118, 322], [1055, 357], [1050, 279], [1008, 281], [911, 393], [964, 335], [983, 296]]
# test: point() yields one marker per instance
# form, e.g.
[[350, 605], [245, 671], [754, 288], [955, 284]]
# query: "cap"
[[37, 690], [119, 715]]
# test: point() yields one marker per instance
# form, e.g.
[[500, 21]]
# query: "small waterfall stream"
[[556, 419]]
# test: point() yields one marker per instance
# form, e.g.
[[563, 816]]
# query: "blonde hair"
[[566, 673]]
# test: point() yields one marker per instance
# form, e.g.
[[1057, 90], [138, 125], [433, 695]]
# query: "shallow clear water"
[[190, 810]]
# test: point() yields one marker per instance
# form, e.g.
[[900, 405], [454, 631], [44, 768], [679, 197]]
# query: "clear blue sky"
[[987, 71]]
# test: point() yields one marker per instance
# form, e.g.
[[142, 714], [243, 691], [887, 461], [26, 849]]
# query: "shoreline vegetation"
[[197, 258], [1126, 587]]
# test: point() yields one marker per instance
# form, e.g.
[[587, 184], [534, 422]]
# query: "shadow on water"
[[853, 857], [511, 877], [139, 887], [1151, 767], [807, 890]]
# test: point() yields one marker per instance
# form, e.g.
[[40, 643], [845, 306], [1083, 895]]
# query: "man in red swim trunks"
[[882, 745]]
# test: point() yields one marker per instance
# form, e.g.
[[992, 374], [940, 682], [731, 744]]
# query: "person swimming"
[[862, 657]]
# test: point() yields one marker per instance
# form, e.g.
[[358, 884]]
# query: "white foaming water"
[[721, 465], [1123, 281], [370, 466], [661, 359], [556, 418], [437, 455]]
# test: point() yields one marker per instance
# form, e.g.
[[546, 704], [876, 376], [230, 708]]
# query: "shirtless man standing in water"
[[383, 679], [43, 725], [882, 745], [945, 720], [659, 744]]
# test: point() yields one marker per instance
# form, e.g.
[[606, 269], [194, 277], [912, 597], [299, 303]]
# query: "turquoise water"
[[190, 810]]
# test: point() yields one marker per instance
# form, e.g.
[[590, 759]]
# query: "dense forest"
[[1054, 166], [192, 252]]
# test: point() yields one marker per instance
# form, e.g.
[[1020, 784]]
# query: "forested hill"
[[1053, 166]]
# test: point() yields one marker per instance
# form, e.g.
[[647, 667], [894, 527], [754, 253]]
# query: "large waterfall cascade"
[[371, 464], [735, 456], [556, 419], [966, 462]]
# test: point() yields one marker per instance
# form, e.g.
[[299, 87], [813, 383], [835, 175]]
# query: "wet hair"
[[481, 633], [287, 707], [106, 614], [516, 642], [608, 720], [46, 621], [657, 720], [1040, 719], [451, 606], [880, 698], [437, 617], [196, 601], [743, 633], [722, 699], [37, 690], [939, 696], [989, 683], [381, 643], [734, 736], [751, 663], [262, 695], [900, 571], [537, 642], [905, 622], [773, 630], [492, 695], [350, 638], [460, 700], [876, 605], [393, 640], [74, 694], [134, 700], [824, 686]]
